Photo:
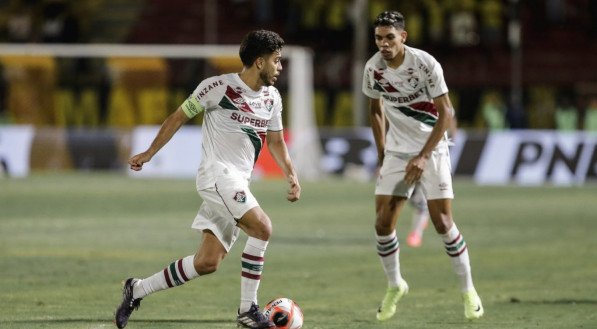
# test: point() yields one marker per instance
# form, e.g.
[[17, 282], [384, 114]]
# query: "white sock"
[[388, 250], [457, 250], [252, 265], [176, 274]]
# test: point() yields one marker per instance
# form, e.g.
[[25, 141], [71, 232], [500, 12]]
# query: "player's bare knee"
[[442, 224], [264, 231], [206, 265], [262, 228], [256, 224], [383, 226]]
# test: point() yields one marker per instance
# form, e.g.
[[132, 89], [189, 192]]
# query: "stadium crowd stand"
[[469, 37]]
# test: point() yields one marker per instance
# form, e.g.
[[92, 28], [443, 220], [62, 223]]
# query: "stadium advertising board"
[[537, 157], [15, 148], [523, 157], [179, 158]]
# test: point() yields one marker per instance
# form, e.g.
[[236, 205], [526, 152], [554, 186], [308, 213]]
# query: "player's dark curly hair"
[[259, 43], [390, 18]]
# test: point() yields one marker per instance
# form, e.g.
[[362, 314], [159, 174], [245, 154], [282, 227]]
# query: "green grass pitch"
[[68, 240]]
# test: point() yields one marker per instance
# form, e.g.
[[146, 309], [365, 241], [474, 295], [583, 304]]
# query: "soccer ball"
[[284, 313]]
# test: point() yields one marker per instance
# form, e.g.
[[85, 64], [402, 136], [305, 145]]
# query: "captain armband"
[[191, 107]]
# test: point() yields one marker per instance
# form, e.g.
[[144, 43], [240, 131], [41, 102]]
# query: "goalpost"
[[304, 144]]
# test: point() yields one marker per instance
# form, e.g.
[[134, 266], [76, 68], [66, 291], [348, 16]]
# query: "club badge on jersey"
[[240, 197]]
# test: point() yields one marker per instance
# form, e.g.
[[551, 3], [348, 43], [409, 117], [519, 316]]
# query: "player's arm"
[[279, 151], [169, 127], [453, 129], [415, 167], [378, 126]]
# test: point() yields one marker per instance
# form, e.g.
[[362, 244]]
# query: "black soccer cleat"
[[254, 319], [128, 305]]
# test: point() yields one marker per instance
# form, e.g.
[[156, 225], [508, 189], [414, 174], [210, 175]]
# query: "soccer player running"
[[413, 150], [241, 111]]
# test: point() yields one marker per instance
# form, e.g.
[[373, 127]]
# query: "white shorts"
[[223, 205], [435, 183]]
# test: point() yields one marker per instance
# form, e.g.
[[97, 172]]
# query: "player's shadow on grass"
[[147, 321], [563, 301]]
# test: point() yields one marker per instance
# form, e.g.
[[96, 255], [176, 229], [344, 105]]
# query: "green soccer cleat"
[[388, 305], [473, 309]]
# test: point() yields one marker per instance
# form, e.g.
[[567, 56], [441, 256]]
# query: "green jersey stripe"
[[257, 143], [227, 104], [423, 117]]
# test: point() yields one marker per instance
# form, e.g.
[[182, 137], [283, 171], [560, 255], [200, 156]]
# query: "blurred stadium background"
[[522, 76]]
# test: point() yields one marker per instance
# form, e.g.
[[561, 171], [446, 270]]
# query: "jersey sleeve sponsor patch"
[[191, 107]]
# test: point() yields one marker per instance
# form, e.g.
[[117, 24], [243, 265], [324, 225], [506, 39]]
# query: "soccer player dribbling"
[[241, 112], [406, 87]]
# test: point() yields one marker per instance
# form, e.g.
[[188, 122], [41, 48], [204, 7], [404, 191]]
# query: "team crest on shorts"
[[240, 197]]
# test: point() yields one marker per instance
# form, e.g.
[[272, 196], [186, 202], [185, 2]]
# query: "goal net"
[[128, 86]]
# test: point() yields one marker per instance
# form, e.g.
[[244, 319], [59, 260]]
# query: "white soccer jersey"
[[235, 123], [407, 94]]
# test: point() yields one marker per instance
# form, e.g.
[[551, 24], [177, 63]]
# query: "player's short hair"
[[390, 18], [259, 43]]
